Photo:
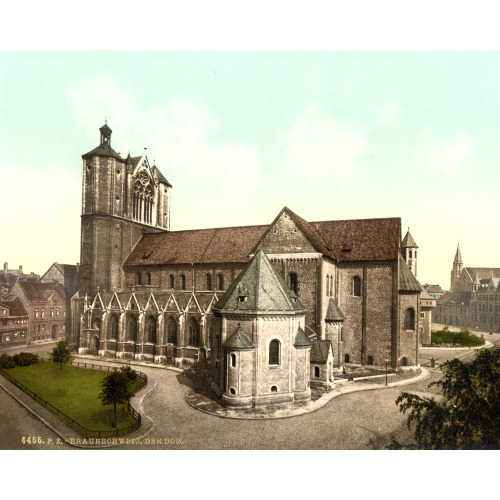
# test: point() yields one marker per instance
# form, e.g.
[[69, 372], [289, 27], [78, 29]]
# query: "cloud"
[[319, 146], [451, 155]]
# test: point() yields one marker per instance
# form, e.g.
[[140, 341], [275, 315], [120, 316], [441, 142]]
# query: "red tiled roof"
[[230, 244], [348, 240]]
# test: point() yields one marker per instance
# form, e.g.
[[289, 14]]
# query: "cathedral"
[[343, 290]]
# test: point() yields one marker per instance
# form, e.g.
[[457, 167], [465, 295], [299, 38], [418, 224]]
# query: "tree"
[[115, 390], [468, 416], [61, 353]]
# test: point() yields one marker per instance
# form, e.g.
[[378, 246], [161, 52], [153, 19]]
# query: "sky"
[[240, 134]]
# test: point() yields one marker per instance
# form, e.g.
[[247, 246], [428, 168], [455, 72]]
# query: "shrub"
[[462, 338], [25, 359], [7, 361], [129, 372]]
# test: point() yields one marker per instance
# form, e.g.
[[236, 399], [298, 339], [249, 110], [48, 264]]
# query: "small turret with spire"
[[456, 271], [409, 252]]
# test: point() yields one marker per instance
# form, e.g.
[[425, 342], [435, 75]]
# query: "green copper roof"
[[319, 351], [333, 313], [301, 339], [407, 282], [259, 287], [238, 340], [458, 256], [408, 241]]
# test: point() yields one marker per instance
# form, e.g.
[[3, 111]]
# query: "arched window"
[[209, 282], [327, 285], [113, 327], [274, 352], [97, 324], [42, 313], [183, 282], [193, 333], [233, 360], [316, 371], [294, 284], [138, 278], [346, 358], [148, 278], [51, 312], [132, 329], [57, 311], [411, 254], [410, 319], [220, 282], [151, 330], [356, 286], [331, 286], [171, 331], [36, 313], [172, 281]]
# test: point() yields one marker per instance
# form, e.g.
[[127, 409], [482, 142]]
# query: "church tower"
[[409, 252], [456, 271], [122, 199]]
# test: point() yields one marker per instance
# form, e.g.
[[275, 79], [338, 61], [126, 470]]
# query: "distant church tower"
[[456, 271], [122, 199], [409, 252]]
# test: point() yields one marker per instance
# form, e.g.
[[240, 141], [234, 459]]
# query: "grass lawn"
[[74, 391]]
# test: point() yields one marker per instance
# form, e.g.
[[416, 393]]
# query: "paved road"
[[361, 420]]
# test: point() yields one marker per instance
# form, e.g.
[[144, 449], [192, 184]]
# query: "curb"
[[312, 406]]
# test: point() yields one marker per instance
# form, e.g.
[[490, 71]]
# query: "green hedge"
[[463, 338]]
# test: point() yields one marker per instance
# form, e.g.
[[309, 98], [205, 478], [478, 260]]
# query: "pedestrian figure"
[[433, 363]]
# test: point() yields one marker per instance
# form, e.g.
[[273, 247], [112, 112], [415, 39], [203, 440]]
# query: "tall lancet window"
[[142, 201]]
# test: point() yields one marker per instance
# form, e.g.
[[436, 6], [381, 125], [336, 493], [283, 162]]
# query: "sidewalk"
[[206, 403]]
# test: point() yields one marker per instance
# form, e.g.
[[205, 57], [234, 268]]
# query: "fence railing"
[[88, 433]]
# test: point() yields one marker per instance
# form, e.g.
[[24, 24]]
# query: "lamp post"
[[386, 361]]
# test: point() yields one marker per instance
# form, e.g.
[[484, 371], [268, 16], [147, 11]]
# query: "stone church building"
[[149, 293]]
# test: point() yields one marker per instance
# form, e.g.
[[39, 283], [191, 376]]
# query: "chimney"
[[5, 267]]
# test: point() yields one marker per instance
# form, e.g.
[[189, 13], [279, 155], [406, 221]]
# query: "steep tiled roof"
[[67, 270], [15, 307], [319, 351], [408, 241], [348, 240], [238, 340], [455, 298], [301, 339], [366, 239], [38, 291], [200, 246], [434, 289], [103, 150], [407, 282], [483, 272], [263, 288], [333, 313]]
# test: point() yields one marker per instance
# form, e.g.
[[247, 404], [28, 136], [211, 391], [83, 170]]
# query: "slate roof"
[[455, 298], [103, 150], [333, 312], [38, 291], [483, 272], [407, 282], [345, 241], [319, 351], [301, 339], [408, 241], [238, 340], [458, 256], [15, 307], [161, 177], [263, 287], [434, 289]]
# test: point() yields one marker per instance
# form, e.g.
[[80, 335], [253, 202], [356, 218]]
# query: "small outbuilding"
[[322, 364]]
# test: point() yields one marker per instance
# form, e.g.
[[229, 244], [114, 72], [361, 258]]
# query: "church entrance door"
[[94, 345]]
